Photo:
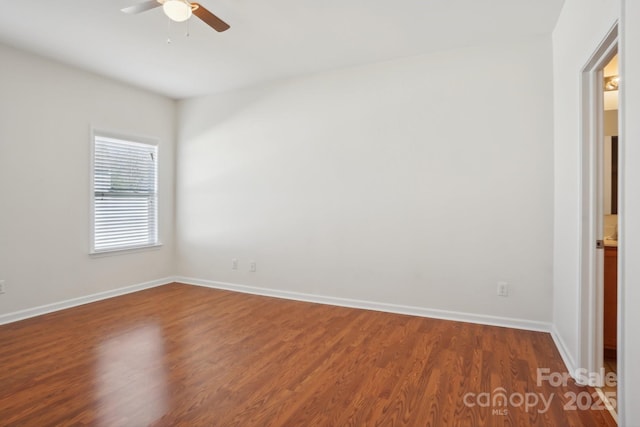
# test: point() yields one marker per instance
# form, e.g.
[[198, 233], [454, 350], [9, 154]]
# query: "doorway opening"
[[610, 231], [599, 314]]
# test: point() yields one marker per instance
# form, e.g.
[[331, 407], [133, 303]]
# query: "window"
[[125, 199]]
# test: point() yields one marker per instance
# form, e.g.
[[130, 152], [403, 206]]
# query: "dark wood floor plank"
[[180, 355]]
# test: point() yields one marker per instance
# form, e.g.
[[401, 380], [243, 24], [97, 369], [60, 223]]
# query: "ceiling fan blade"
[[209, 18], [141, 7]]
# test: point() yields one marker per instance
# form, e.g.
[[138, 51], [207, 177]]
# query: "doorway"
[[599, 316], [609, 201]]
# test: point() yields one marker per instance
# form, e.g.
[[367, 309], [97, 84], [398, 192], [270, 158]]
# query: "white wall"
[[46, 110], [420, 182], [582, 25], [611, 122], [630, 273]]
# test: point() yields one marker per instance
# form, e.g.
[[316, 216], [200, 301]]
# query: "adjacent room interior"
[[610, 206], [287, 213]]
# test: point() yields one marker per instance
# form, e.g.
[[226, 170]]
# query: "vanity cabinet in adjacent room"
[[610, 299]]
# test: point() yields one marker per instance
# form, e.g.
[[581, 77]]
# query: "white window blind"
[[125, 182]]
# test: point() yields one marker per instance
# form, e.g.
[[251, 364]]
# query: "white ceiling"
[[611, 69], [268, 39]]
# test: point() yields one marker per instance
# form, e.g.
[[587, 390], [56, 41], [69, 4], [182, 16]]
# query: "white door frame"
[[591, 305]]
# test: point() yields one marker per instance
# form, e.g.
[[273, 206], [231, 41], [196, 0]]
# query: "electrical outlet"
[[503, 289], [3, 288], [252, 266], [234, 264]]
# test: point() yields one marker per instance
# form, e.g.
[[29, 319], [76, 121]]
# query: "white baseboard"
[[48, 308], [482, 319], [569, 363]]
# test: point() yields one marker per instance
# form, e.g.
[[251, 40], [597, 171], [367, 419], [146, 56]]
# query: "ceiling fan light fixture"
[[177, 10]]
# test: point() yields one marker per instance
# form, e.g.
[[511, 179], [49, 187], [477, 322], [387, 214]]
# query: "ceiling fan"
[[180, 10]]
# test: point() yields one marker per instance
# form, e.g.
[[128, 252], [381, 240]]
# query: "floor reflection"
[[132, 377]]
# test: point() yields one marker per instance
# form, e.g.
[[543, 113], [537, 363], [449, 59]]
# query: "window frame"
[[127, 137]]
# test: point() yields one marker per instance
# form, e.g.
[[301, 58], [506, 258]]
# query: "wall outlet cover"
[[503, 289]]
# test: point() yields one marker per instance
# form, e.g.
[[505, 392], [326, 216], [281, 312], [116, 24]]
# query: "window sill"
[[124, 251]]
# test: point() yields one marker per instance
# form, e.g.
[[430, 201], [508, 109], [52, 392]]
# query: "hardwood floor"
[[181, 355], [610, 366]]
